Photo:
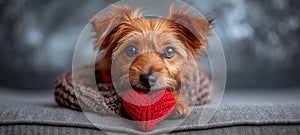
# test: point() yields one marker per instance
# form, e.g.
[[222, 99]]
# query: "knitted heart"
[[148, 110]]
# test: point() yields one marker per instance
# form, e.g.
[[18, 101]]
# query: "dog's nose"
[[148, 80]]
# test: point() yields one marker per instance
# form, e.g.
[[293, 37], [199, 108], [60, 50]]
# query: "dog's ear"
[[193, 29], [104, 26]]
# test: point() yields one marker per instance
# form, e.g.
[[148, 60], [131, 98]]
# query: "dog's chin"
[[140, 88]]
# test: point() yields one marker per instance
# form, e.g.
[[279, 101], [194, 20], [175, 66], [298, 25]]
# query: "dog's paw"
[[181, 110]]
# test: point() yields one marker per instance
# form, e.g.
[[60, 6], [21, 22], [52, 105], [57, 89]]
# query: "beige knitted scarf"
[[104, 99]]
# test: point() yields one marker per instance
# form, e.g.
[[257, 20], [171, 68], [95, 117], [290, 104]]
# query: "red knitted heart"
[[148, 110]]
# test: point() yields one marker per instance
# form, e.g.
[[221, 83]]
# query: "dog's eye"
[[131, 51], [169, 52]]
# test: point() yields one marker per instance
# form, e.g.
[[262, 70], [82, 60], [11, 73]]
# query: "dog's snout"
[[148, 80]]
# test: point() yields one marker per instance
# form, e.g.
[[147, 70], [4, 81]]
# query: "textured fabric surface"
[[80, 94], [252, 111], [234, 130], [229, 119]]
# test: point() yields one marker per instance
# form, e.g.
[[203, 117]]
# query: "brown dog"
[[151, 54]]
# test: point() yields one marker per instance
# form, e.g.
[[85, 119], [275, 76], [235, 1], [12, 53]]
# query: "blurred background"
[[260, 39]]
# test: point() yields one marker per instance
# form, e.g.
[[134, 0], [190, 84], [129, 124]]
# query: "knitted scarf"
[[104, 99]]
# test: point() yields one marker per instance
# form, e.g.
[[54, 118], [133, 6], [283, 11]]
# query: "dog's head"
[[150, 54]]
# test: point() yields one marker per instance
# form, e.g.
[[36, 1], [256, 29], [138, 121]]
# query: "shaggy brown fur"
[[150, 37]]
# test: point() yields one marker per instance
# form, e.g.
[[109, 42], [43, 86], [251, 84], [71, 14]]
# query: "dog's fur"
[[123, 27]]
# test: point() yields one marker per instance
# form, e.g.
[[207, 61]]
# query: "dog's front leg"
[[182, 109]]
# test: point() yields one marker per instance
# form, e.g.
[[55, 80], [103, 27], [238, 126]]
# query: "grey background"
[[260, 40]]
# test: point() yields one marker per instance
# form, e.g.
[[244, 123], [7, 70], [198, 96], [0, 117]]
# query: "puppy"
[[150, 54]]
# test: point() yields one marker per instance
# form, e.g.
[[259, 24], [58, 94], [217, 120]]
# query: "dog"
[[150, 54]]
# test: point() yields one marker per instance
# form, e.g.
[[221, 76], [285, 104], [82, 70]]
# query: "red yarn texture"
[[148, 110]]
